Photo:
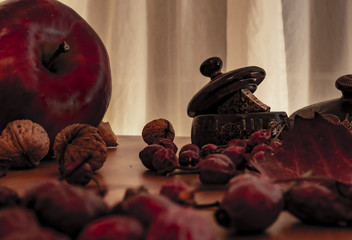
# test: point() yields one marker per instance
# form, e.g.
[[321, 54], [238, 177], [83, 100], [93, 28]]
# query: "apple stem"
[[63, 47]]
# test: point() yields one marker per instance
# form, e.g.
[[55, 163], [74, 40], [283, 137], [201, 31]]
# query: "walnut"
[[158, 128], [107, 134], [23, 144], [79, 144]]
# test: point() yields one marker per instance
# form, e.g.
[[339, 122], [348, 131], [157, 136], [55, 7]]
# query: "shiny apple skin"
[[77, 91]]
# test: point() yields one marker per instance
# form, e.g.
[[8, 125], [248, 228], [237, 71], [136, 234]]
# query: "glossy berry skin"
[[21, 223], [238, 142], [8, 197], [178, 191], [167, 143], [113, 228], [190, 147], [76, 88], [188, 157], [251, 204], [235, 153], [315, 203], [216, 168], [262, 147], [165, 159], [189, 154], [14, 219], [260, 136], [145, 207], [64, 207], [179, 224], [207, 149], [147, 153]]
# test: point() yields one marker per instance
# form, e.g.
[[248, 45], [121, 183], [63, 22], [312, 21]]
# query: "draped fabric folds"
[[157, 46]]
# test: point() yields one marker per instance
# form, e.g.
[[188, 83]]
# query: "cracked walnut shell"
[[23, 144], [79, 143]]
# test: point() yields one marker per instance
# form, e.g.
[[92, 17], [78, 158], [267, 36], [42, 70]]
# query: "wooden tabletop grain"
[[123, 169]]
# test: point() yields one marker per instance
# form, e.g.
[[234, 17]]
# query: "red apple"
[[36, 83]]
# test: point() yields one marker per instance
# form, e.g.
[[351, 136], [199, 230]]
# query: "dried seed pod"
[[23, 144], [107, 134], [158, 128], [79, 143]]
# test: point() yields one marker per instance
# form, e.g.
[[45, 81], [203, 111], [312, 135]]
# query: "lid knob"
[[344, 84], [211, 67]]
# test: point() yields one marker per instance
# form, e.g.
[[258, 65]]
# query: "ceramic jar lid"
[[214, 96]]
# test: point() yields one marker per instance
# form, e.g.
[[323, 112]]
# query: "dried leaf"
[[312, 144]]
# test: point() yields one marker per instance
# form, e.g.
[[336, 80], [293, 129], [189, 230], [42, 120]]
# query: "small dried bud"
[[107, 134], [23, 144], [158, 128]]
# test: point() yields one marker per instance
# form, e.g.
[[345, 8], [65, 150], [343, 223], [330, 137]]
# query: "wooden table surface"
[[123, 169]]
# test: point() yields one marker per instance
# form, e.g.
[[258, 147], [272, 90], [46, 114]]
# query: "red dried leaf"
[[312, 144]]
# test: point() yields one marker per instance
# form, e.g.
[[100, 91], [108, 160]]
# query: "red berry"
[[216, 168], [262, 147], [145, 207], [260, 136], [146, 155], [190, 146], [251, 204], [188, 157], [178, 191], [180, 223], [167, 143], [207, 149], [165, 159], [113, 228], [235, 153], [238, 142]]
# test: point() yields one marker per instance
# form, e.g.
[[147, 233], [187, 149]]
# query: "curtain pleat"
[[157, 46]]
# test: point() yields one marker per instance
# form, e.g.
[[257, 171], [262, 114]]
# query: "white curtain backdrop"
[[156, 47]]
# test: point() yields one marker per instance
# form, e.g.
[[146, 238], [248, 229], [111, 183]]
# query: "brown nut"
[[79, 143], [158, 128], [23, 144]]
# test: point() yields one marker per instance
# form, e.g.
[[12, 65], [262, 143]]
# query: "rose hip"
[[315, 203], [216, 169], [167, 143], [238, 142], [262, 147], [178, 191], [8, 197], [113, 228], [260, 136], [146, 155], [165, 160], [190, 147], [21, 223], [145, 207], [235, 153], [188, 157], [251, 204], [64, 207], [14, 219], [207, 149], [180, 223]]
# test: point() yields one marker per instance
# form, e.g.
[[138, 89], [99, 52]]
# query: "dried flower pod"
[[107, 134], [23, 144], [158, 128], [79, 143]]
